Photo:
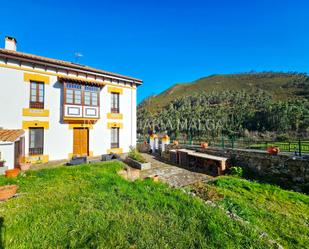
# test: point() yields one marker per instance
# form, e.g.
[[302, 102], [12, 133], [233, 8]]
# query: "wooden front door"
[[80, 142]]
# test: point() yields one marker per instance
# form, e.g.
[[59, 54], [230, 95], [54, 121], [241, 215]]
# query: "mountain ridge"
[[281, 85]]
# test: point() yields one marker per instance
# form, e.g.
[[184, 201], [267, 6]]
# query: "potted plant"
[[12, 173], [136, 160], [273, 150], [25, 166], [7, 192], [204, 145], [2, 162]]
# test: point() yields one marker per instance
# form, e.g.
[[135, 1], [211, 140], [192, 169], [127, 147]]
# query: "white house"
[[65, 108]]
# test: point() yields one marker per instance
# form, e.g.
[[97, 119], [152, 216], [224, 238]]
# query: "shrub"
[[236, 171], [135, 155], [283, 137]]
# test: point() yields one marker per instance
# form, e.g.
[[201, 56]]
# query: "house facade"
[[65, 109]]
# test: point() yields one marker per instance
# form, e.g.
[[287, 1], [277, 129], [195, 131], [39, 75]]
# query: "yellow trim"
[[31, 112], [36, 77], [111, 89], [36, 159], [80, 119], [115, 151], [72, 126], [57, 74], [114, 115], [114, 125], [70, 155], [35, 123]]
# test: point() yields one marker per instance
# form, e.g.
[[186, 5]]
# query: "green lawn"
[[90, 206], [283, 215]]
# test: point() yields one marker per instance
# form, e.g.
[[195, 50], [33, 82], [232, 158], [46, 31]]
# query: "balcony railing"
[[114, 145], [115, 110], [37, 105], [81, 111], [35, 151]]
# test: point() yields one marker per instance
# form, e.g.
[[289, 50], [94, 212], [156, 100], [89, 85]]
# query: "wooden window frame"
[[36, 150], [91, 101], [37, 104], [74, 90], [117, 144], [82, 102], [115, 109]]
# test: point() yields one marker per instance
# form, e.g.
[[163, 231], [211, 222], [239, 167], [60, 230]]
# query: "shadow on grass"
[[2, 231]]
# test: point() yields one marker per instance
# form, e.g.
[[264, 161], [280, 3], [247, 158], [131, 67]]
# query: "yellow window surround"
[[111, 89], [114, 115], [32, 112], [115, 151], [114, 125], [80, 119], [35, 159], [35, 123], [72, 126], [36, 77]]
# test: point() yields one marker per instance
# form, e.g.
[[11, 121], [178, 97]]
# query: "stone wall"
[[286, 170], [283, 169]]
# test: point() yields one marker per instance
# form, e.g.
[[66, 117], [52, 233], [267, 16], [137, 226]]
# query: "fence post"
[[289, 146], [299, 147], [222, 142], [232, 142]]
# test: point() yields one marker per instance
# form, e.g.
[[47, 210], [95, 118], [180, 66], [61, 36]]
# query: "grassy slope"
[[271, 82], [284, 215], [92, 207]]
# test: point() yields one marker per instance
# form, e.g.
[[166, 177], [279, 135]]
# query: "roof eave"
[[71, 67]]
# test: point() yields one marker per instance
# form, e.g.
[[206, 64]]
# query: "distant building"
[[65, 109]]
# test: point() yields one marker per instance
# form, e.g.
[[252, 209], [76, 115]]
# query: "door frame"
[[81, 128]]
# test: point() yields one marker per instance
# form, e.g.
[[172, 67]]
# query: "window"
[[73, 97], [115, 103], [91, 98], [36, 141], [115, 138], [36, 95], [91, 95], [74, 93]]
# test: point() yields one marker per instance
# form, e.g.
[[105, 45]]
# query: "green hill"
[[280, 85], [230, 105]]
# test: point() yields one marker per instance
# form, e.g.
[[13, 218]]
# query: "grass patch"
[[90, 206], [284, 215]]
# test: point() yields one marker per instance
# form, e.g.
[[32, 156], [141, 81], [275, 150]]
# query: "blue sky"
[[164, 42]]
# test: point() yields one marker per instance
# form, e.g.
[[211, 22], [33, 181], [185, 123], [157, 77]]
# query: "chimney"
[[10, 43]]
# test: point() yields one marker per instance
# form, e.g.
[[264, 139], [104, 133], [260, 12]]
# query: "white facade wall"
[[58, 139], [7, 154]]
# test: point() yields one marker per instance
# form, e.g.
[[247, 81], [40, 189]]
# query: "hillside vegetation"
[[279, 85], [233, 104]]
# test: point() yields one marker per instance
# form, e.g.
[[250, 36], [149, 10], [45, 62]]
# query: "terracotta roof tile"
[[64, 63], [10, 135]]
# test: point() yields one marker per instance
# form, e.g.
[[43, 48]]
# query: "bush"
[[283, 137], [135, 155], [236, 171]]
